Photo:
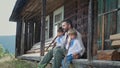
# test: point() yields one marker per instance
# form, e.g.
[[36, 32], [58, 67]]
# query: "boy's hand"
[[76, 56], [69, 39]]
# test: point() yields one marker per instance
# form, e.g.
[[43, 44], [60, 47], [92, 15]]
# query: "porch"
[[94, 21]]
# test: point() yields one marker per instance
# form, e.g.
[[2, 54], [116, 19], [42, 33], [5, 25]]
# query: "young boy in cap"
[[73, 48]]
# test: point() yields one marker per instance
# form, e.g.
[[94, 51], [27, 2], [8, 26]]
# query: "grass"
[[8, 61], [15, 63]]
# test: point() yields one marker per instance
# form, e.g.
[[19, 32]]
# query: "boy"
[[73, 48], [59, 41]]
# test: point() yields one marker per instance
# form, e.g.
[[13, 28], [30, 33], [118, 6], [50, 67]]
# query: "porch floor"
[[77, 63]]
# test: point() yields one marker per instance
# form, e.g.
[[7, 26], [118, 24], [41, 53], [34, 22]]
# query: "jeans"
[[57, 53], [66, 61]]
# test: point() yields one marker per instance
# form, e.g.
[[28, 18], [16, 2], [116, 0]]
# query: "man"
[[67, 25], [60, 52]]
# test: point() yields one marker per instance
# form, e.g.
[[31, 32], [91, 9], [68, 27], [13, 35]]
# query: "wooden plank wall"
[[70, 10], [77, 11], [82, 20]]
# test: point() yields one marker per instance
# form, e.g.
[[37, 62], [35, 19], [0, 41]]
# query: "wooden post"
[[90, 31], [43, 14], [103, 31], [32, 34], [22, 37], [18, 38], [28, 36]]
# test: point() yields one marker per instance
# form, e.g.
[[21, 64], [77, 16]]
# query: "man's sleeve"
[[81, 43]]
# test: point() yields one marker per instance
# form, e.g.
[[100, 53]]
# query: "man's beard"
[[65, 30]]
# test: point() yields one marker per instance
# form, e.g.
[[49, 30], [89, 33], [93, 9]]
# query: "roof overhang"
[[28, 9]]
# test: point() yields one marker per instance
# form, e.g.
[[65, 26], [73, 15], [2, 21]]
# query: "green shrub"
[[1, 51], [8, 61]]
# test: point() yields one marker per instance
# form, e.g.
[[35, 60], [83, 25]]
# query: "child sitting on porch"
[[59, 44], [59, 41], [73, 49]]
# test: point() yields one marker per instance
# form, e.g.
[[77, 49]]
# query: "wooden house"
[[31, 14]]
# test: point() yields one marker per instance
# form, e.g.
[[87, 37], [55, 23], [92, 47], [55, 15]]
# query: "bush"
[[1, 51], [8, 61], [4, 53]]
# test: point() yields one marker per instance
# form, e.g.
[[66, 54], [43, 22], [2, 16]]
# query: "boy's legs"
[[65, 64], [66, 61], [58, 56], [46, 59]]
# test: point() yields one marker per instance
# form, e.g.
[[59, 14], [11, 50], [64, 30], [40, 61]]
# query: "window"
[[118, 21], [58, 16], [108, 18]]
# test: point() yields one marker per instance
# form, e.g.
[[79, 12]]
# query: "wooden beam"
[[115, 37], [114, 10], [22, 37], [116, 43], [90, 31], [37, 31], [26, 37], [32, 34], [18, 38], [103, 32], [43, 14]]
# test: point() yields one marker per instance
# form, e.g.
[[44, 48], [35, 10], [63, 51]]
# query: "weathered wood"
[[26, 37], [33, 8], [116, 43], [103, 32], [18, 38], [95, 37], [30, 35], [108, 55], [22, 38], [115, 37], [33, 56], [90, 31], [43, 16], [114, 10], [81, 24], [83, 63], [37, 31]]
